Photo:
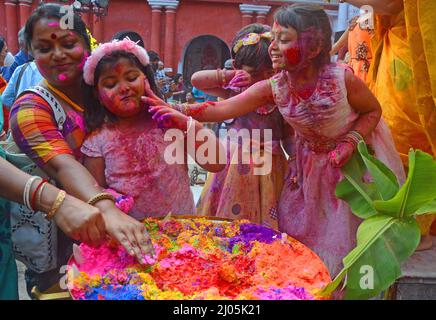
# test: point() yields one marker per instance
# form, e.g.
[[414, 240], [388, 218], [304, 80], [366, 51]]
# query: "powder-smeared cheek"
[[62, 77], [292, 55], [110, 101], [82, 63]]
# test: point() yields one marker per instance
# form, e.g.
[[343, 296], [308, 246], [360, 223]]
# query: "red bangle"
[[32, 202]]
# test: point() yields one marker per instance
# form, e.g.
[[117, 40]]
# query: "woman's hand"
[[130, 233], [168, 117], [81, 221], [341, 154]]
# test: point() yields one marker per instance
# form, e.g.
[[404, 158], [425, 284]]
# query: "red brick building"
[[188, 34]]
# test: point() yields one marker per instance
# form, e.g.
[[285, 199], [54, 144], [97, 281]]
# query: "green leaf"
[[384, 178], [352, 189], [427, 208], [378, 225], [384, 243], [418, 190], [379, 265]]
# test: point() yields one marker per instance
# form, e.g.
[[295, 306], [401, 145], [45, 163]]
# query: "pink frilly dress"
[[309, 210]]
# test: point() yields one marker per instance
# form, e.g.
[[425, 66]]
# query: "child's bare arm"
[[254, 97], [343, 41], [208, 81], [364, 102], [96, 167], [218, 153]]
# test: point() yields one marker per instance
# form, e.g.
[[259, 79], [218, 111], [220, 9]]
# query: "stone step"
[[418, 279]]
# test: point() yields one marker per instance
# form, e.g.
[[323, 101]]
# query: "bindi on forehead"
[[53, 36]]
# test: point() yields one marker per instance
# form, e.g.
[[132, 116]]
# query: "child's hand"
[[241, 79], [168, 117], [150, 98], [341, 154]]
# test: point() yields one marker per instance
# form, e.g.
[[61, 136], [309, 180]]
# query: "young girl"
[[236, 192], [329, 108], [126, 150]]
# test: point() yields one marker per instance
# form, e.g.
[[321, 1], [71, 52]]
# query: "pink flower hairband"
[[105, 49]]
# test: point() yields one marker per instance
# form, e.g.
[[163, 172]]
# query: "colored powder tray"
[[201, 258]]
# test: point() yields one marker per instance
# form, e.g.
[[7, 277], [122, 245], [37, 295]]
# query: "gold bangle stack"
[[101, 196], [56, 204]]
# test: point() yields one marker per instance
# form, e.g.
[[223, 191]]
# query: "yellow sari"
[[403, 78]]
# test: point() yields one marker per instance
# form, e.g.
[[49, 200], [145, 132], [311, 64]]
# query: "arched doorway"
[[203, 53]]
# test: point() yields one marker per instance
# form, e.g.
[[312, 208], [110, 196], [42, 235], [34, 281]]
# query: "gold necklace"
[[64, 97]]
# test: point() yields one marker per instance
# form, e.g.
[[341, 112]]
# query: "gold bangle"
[[101, 196], [56, 204], [223, 78]]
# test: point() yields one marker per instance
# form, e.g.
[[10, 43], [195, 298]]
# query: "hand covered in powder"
[[130, 233], [242, 79], [168, 117], [341, 154], [150, 98]]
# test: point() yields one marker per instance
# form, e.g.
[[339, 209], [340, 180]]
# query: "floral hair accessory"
[[93, 42], [250, 39], [105, 49]]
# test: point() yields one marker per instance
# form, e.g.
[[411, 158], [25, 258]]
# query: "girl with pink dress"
[[330, 110], [126, 150], [237, 192]]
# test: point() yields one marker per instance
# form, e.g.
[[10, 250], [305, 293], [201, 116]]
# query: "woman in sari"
[[403, 77]]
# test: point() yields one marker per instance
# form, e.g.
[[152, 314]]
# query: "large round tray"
[[72, 262]]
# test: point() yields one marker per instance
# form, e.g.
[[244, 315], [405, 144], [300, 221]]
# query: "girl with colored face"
[[237, 192], [330, 110], [125, 151], [120, 89]]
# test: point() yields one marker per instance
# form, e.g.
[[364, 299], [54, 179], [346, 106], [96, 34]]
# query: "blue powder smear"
[[111, 292]]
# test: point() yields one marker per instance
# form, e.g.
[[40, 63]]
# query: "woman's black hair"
[[2, 43], [95, 113], [313, 28], [177, 76], [132, 35], [53, 10], [256, 55]]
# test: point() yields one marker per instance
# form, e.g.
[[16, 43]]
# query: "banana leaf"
[[418, 190], [367, 237], [379, 264], [428, 208], [384, 178], [358, 194], [389, 235]]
